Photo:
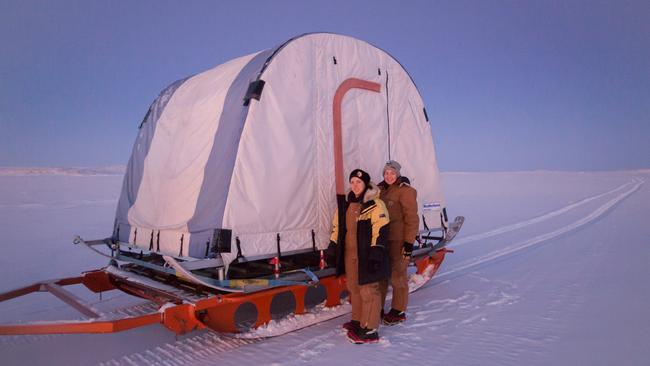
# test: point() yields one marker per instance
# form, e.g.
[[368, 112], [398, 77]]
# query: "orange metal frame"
[[216, 312]]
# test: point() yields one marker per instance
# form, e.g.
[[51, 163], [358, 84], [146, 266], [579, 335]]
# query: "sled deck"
[[190, 300]]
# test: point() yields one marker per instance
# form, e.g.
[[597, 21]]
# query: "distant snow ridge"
[[71, 171]]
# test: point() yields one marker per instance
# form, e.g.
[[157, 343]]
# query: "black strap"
[[239, 255], [313, 240], [151, 241], [158, 241], [279, 252], [180, 253]]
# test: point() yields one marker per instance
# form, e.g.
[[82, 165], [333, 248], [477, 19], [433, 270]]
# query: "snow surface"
[[549, 268]]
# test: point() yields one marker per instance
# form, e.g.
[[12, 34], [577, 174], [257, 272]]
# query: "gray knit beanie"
[[393, 165]]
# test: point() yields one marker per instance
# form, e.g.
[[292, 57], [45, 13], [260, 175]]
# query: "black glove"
[[407, 250], [375, 258], [330, 254]]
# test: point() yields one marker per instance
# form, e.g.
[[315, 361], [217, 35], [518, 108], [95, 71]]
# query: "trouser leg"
[[383, 290], [398, 276], [399, 281], [370, 298], [352, 283]]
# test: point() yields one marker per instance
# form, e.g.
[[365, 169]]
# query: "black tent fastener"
[[379, 71], [334, 59], [238, 242], [180, 253], [254, 91], [426, 116], [279, 252], [135, 236], [207, 248], [313, 240], [158, 241], [151, 241]]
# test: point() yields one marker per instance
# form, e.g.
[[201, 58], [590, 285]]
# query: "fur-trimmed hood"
[[372, 192]]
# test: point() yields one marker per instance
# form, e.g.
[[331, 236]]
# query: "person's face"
[[357, 186], [390, 176]]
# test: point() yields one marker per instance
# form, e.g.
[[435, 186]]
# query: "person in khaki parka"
[[360, 246], [401, 201]]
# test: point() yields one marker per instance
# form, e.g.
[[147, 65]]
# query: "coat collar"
[[401, 182]]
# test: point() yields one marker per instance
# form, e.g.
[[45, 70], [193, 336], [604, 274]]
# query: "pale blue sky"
[[509, 85]]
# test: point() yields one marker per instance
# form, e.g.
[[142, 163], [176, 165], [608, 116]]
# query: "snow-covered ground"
[[550, 268]]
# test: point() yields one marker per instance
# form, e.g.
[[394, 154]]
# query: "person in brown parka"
[[359, 242], [401, 202]]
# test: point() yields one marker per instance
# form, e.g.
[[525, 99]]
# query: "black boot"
[[352, 325], [394, 317], [363, 336]]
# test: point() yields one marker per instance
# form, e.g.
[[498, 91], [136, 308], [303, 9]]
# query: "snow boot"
[[363, 336], [352, 325], [394, 317]]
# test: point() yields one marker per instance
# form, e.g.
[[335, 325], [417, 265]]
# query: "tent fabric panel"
[[211, 200], [174, 168], [135, 167], [273, 183], [418, 160], [291, 188]]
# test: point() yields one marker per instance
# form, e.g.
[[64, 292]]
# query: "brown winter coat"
[[401, 201]]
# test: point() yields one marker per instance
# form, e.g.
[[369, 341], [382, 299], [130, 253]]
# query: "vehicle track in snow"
[[535, 220], [204, 346], [519, 246], [184, 352]]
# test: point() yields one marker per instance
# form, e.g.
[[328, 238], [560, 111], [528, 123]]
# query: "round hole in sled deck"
[[315, 295], [245, 316], [282, 305]]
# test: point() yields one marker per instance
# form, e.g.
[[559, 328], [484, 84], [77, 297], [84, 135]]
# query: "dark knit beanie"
[[365, 177]]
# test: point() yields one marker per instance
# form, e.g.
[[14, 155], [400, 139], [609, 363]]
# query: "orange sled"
[[185, 305]]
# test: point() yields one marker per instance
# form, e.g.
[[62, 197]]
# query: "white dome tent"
[[239, 160]]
